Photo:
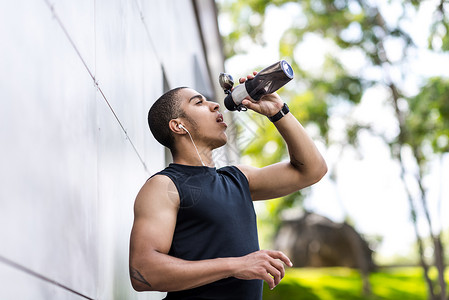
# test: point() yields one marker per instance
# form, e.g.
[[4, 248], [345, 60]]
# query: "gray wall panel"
[[50, 185], [78, 19]]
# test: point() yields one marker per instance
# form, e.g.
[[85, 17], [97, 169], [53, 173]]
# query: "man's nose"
[[214, 106]]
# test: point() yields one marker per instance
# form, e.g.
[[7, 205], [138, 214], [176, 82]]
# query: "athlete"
[[194, 233]]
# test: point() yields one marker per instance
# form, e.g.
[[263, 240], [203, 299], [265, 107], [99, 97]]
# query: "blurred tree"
[[384, 49]]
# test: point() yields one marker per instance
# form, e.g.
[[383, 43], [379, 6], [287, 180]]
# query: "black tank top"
[[216, 219]]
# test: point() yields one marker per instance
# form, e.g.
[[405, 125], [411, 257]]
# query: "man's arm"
[[152, 269], [306, 165]]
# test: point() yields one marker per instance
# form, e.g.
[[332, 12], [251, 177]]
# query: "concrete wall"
[[76, 81]]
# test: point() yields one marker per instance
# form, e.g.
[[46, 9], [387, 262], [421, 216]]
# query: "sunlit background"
[[372, 88], [368, 187]]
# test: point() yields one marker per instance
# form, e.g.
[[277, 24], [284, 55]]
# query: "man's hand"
[[263, 264], [269, 104]]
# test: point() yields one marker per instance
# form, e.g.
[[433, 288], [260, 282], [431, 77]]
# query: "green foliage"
[[428, 118], [346, 284], [347, 26], [439, 32]]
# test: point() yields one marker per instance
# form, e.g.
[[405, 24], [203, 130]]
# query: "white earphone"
[[181, 126]]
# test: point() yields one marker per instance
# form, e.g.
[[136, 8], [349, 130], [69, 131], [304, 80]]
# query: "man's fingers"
[[269, 280], [275, 273], [267, 265], [249, 104], [281, 256], [276, 269], [249, 77], [280, 267]]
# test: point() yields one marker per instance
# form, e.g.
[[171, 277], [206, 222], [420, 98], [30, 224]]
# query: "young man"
[[194, 232]]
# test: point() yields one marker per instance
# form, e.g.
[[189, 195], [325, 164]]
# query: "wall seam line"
[[58, 20], [39, 276]]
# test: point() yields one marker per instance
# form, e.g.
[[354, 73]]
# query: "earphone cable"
[[194, 146]]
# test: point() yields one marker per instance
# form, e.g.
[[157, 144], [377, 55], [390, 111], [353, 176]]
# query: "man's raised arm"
[[306, 165], [152, 269]]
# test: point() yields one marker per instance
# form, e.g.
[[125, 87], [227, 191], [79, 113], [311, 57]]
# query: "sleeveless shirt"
[[216, 218]]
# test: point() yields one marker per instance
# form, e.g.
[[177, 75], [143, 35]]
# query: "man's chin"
[[221, 142]]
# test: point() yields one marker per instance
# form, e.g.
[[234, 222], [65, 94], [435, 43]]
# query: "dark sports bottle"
[[267, 81]]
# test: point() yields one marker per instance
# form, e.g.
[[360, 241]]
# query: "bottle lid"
[[287, 69]]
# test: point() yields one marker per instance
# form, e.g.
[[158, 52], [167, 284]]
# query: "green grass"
[[346, 284]]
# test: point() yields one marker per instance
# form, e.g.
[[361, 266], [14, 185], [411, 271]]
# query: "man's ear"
[[174, 126]]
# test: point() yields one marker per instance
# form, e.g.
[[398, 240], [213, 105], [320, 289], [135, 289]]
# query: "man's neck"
[[192, 158]]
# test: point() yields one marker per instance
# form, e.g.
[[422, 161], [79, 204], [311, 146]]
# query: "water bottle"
[[267, 81]]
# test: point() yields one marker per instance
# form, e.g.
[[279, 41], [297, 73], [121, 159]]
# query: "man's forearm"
[[168, 273], [304, 155], [162, 272]]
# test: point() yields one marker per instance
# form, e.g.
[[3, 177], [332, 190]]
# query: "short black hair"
[[166, 108]]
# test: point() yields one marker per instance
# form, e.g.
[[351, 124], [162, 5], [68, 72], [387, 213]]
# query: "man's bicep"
[[272, 181], [155, 212]]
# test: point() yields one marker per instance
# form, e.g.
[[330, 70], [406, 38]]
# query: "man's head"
[[186, 107]]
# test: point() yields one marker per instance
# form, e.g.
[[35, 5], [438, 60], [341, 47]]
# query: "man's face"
[[203, 120]]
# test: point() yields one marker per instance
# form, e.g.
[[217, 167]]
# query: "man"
[[194, 232]]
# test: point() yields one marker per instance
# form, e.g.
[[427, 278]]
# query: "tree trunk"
[[422, 262], [436, 239]]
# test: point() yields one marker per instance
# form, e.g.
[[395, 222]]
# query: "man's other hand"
[[264, 264]]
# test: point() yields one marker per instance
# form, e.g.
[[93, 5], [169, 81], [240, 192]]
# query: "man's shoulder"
[[163, 176], [236, 171], [158, 188], [155, 183], [241, 169], [158, 178]]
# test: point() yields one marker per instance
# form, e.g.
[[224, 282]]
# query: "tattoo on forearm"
[[137, 276]]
